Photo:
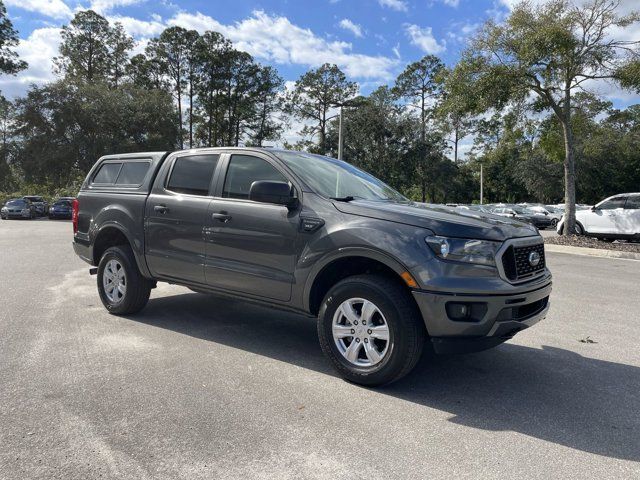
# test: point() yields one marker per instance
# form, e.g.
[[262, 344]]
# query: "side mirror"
[[269, 191], [594, 208]]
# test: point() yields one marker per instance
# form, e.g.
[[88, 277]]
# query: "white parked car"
[[617, 217]]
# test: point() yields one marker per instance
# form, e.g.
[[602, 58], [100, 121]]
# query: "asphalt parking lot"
[[200, 387]]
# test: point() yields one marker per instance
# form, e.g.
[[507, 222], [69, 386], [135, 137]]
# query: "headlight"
[[467, 250]]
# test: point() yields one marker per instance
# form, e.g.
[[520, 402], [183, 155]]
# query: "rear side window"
[[243, 171], [612, 204], [192, 175], [633, 202], [107, 173], [132, 173]]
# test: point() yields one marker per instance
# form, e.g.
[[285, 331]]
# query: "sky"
[[372, 41]]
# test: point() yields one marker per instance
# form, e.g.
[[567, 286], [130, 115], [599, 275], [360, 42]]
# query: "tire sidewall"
[[392, 361], [114, 253]]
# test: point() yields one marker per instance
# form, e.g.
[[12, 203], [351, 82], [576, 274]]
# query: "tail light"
[[74, 215]]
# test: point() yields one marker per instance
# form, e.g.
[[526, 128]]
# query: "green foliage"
[[9, 62], [199, 90], [65, 127], [315, 94]]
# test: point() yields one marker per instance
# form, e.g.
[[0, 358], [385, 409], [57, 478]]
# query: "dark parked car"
[[61, 209], [526, 215], [314, 235], [18, 208], [40, 204]]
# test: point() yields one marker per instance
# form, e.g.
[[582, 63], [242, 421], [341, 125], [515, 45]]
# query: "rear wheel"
[[370, 329], [122, 288]]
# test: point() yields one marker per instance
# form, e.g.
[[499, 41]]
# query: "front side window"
[[243, 170], [107, 173], [191, 175], [612, 204], [633, 202]]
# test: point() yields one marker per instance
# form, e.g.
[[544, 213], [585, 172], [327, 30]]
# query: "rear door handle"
[[221, 217], [161, 208]]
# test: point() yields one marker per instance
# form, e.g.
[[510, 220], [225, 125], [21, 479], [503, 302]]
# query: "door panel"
[[176, 216], [254, 250], [250, 246], [607, 217]]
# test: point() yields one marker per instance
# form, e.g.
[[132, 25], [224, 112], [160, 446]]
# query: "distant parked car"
[[617, 217], [61, 208], [39, 203], [553, 215], [18, 208], [521, 213]]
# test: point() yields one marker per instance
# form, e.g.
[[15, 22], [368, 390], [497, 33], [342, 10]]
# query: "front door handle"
[[161, 208], [221, 217]]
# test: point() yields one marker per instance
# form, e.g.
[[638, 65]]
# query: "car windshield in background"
[[522, 211], [16, 203], [62, 204], [333, 178], [35, 199]]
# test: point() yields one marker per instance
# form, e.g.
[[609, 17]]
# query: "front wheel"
[[370, 329], [122, 288]]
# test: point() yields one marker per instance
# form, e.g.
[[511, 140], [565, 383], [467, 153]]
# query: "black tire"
[[406, 328], [138, 288]]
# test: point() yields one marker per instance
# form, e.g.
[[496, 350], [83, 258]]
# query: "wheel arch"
[[112, 234], [346, 263]]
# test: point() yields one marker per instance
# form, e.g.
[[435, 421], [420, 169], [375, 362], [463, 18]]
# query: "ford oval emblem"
[[534, 259]]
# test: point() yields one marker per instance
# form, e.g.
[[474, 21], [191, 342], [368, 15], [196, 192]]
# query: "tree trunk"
[[569, 179], [456, 139], [191, 108], [179, 92]]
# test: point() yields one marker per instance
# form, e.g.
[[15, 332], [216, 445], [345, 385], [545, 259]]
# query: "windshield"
[[64, 203], [16, 203], [337, 179], [35, 199], [521, 210]]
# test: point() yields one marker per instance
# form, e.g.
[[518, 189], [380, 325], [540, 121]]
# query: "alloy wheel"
[[360, 332]]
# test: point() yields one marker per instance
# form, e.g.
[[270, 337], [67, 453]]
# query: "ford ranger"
[[384, 276]]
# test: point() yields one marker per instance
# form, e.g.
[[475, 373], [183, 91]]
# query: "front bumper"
[[16, 215], [62, 214], [497, 318]]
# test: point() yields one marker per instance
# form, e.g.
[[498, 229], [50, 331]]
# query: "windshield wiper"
[[348, 198]]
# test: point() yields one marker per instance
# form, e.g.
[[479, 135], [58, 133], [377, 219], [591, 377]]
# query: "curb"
[[591, 252]]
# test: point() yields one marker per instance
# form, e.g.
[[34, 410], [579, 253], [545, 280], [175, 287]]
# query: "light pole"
[[340, 135], [481, 186]]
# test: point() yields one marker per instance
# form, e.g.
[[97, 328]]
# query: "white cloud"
[[423, 39], [105, 6], [38, 50], [451, 3], [276, 39], [139, 28], [49, 8], [354, 28], [396, 51], [399, 5]]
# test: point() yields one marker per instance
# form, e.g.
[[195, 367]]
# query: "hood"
[[444, 221]]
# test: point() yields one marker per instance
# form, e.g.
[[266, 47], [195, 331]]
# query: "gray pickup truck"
[[384, 276]]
